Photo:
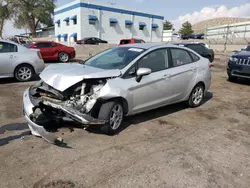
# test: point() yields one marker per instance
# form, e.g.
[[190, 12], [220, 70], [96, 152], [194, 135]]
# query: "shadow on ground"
[[5, 141], [13, 127], [13, 80], [152, 114]]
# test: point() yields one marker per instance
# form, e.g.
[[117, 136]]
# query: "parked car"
[[91, 40], [118, 82], [53, 51], [239, 65], [19, 62], [130, 41], [200, 48], [185, 37], [197, 36]]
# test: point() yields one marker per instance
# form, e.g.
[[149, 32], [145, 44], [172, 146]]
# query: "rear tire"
[[196, 97], [24, 73], [63, 57], [113, 112]]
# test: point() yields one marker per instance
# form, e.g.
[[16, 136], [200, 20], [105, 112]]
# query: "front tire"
[[63, 57], [232, 78], [197, 96], [113, 112], [24, 73]]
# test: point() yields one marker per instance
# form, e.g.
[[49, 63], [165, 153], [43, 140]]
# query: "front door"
[[8, 58], [153, 90]]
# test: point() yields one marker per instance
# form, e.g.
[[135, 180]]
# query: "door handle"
[[193, 68], [12, 56], [167, 76]]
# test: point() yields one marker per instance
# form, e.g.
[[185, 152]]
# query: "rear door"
[[183, 73], [8, 58], [45, 49]]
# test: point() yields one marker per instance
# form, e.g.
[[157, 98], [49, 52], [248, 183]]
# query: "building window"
[[141, 27], [58, 25], [75, 21], [92, 22], [67, 23]]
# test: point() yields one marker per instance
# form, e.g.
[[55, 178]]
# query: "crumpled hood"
[[62, 76]]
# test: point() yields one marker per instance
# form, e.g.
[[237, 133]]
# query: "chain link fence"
[[232, 34]]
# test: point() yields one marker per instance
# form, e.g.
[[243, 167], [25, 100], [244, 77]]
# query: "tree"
[[186, 29], [167, 25], [30, 14], [5, 14]]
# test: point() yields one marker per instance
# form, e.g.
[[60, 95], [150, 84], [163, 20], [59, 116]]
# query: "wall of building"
[[102, 27], [64, 29]]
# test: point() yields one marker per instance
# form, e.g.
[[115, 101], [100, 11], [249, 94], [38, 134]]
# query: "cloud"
[[213, 12]]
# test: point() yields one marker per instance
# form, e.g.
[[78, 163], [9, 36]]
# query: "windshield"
[[116, 58], [28, 44], [247, 48]]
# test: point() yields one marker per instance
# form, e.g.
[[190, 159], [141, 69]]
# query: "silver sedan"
[[19, 62], [118, 82]]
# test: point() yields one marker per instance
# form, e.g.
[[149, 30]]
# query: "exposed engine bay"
[[78, 103], [80, 98]]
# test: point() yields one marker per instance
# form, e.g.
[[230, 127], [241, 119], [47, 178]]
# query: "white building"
[[79, 19]]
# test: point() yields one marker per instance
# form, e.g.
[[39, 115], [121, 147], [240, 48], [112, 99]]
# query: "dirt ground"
[[171, 147]]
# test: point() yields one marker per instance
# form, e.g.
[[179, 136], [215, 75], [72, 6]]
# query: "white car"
[[19, 62], [118, 82]]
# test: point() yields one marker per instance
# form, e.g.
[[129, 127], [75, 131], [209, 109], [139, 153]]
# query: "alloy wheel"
[[116, 116]]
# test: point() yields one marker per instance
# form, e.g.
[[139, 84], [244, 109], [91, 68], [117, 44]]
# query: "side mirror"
[[142, 72]]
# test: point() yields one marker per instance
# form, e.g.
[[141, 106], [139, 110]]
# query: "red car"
[[130, 41], [53, 51]]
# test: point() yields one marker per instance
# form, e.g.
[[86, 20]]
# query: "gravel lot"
[[170, 147]]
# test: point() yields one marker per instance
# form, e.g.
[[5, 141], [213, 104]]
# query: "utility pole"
[[225, 44]]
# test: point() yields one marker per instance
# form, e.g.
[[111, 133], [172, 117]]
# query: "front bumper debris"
[[38, 130]]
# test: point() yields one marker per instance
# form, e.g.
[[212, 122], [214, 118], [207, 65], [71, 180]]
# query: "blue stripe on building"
[[100, 7]]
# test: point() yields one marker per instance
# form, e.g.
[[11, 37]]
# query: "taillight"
[[39, 55], [210, 65]]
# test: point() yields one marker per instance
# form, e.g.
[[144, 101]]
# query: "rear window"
[[125, 42], [29, 44]]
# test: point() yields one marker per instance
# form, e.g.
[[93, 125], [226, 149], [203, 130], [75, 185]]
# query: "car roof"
[[148, 45], [186, 43]]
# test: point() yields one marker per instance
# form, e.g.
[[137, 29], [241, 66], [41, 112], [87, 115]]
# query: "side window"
[[195, 57], [54, 45], [44, 45], [156, 60], [7, 47], [197, 48], [180, 57]]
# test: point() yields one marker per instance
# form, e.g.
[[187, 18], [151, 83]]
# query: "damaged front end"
[[43, 103]]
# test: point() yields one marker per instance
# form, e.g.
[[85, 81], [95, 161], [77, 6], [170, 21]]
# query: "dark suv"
[[199, 48], [239, 65]]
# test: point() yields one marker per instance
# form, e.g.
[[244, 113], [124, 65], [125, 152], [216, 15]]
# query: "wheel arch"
[[100, 101]]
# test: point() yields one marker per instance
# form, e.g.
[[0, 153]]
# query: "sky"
[[176, 11]]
